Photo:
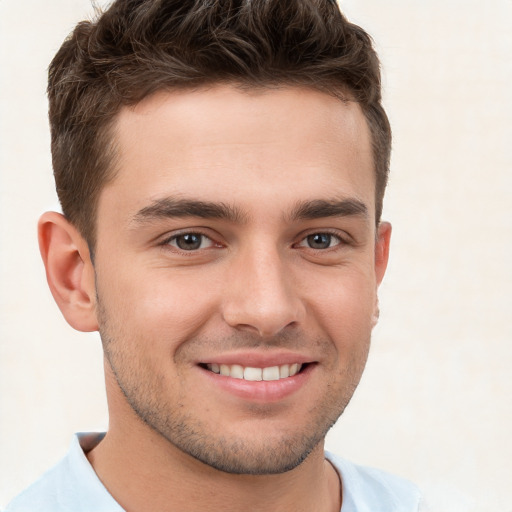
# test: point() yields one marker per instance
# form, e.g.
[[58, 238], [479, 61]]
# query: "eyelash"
[[333, 235], [168, 241], [204, 237]]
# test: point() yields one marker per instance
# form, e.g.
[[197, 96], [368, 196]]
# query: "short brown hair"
[[138, 47]]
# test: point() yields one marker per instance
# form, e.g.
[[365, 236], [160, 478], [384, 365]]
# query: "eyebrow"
[[170, 207], [320, 208]]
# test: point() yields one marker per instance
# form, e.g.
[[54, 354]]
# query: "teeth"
[[237, 371], [252, 373], [271, 373]]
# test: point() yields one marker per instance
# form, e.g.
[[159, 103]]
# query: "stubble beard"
[[272, 453]]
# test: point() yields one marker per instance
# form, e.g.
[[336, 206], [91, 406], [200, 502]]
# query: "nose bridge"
[[260, 293]]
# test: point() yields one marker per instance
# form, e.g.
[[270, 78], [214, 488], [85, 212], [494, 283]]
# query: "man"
[[221, 167]]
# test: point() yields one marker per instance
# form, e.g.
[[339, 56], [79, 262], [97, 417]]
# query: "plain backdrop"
[[435, 402]]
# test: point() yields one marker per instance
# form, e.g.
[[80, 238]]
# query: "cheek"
[[345, 306], [160, 306]]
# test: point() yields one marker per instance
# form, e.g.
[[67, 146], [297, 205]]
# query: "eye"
[[320, 241], [190, 241]]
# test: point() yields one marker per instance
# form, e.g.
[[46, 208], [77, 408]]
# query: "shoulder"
[[42, 495], [367, 489], [70, 486]]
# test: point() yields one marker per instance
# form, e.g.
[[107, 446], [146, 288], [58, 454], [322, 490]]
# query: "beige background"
[[435, 402]]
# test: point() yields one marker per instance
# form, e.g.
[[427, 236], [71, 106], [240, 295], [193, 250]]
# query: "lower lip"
[[263, 391]]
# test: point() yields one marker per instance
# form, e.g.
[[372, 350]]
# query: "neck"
[[143, 471]]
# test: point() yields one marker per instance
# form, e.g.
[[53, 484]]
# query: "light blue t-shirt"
[[73, 486]]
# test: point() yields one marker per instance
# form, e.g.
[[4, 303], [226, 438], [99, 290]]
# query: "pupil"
[[319, 241], [189, 242]]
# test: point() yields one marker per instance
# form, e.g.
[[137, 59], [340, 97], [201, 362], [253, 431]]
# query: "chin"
[[244, 458], [245, 450]]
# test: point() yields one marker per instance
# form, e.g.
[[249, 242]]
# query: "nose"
[[261, 296]]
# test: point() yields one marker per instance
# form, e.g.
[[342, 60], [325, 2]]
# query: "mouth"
[[254, 374], [263, 380]]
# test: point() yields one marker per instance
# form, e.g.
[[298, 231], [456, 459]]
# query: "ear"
[[381, 261], [69, 270], [382, 250]]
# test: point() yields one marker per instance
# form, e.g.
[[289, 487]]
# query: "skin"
[[275, 191]]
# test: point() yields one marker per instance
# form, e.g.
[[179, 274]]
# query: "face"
[[237, 262]]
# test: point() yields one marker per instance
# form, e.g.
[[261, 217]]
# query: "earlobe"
[[376, 312], [69, 270]]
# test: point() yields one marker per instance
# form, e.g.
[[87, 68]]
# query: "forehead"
[[222, 142]]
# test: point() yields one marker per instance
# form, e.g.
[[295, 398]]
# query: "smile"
[[269, 373]]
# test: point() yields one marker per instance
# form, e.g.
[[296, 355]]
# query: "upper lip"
[[258, 359]]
